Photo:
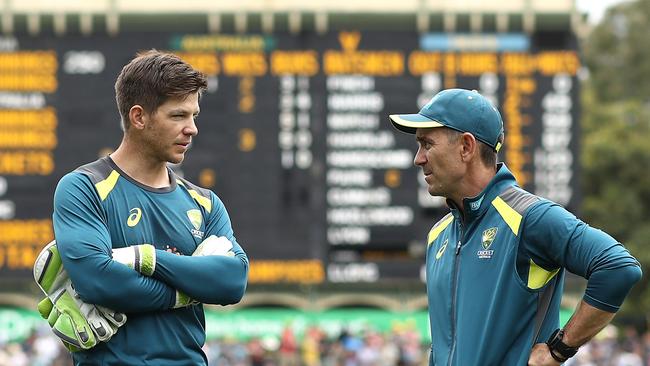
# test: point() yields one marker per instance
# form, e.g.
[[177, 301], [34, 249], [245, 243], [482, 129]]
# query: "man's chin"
[[176, 159], [433, 192]]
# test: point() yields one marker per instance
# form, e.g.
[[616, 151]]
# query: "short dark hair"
[[488, 155], [151, 78], [486, 152]]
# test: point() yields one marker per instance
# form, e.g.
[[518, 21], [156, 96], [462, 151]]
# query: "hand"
[[214, 245], [141, 258], [541, 356], [79, 325]]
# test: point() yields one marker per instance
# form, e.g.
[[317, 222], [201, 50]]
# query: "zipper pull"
[[458, 248]]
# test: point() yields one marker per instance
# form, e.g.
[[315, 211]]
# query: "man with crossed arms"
[[137, 239]]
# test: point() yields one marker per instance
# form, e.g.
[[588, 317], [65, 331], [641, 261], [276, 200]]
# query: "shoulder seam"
[[97, 171], [101, 175], [518, 199], [202, 196], [191, 186]]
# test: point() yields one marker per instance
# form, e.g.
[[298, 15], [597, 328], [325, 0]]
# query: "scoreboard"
[[294, 136]]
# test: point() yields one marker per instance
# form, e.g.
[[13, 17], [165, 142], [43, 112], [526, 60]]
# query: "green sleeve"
[[553, 238]]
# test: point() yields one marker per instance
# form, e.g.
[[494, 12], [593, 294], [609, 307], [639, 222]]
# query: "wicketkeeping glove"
[[79, 325], [141, 258], [214, 245]]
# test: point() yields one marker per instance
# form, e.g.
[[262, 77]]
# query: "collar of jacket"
[[476, 206]]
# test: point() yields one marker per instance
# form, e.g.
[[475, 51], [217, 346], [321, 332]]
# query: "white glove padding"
[[103, 321], [214, 245]]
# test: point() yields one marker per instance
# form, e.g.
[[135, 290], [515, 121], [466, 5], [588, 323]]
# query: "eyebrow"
[[182, 111]]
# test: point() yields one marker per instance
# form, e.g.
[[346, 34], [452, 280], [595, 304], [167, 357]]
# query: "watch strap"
[[559, 350]]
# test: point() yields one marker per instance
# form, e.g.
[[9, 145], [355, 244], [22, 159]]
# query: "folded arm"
[[85, 247], [208, 279]]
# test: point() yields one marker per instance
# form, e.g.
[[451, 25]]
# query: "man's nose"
[[420, 158], [191, 129]]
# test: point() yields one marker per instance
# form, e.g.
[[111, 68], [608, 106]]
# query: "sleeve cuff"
[[599, 304]]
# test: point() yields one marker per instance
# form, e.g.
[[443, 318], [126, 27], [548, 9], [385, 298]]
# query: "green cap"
[[459, 109]]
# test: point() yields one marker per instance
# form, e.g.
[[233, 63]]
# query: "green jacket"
[[486, 274], [97, 208]]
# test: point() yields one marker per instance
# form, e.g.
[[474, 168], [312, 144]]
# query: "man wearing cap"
[[496, 263]]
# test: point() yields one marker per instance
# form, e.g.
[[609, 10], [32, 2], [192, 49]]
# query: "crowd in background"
[[399, 347]]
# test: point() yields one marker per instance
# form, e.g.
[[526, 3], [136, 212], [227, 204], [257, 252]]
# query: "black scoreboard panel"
[[293, 136]]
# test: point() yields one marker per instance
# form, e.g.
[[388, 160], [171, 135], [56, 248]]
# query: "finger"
[[118, 319]]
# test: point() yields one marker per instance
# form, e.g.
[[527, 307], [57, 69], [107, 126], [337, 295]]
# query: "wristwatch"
[[559, 350]]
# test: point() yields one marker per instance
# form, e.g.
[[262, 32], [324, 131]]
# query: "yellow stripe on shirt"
[[510, 216], [437, 229], [203, 201], [106, 186], [538, 276]]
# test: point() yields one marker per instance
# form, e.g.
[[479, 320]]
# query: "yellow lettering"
[[27, 139], [28, 162], [420, 62], [378, 63], [514, 64], [21, 241], [244, 64], [26, 232], [207, 63], [289, 271], [473, 64], [550, 63], [28, 82], [35, 120], [294, 62], [35, 62], [246, 94], [515, 98]]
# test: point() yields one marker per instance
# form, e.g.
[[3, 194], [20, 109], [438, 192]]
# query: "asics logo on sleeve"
[[134, 217]]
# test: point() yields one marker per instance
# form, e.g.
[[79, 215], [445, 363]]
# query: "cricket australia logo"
[[486, 241], [196, 219]]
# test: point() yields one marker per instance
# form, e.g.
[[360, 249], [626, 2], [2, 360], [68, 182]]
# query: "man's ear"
[[469, 146], [137, 117]]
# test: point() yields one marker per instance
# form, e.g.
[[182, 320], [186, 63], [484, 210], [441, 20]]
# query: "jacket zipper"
[[453, 296]]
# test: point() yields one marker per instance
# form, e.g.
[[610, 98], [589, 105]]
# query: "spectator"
[[288, 348], [400, 346]]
